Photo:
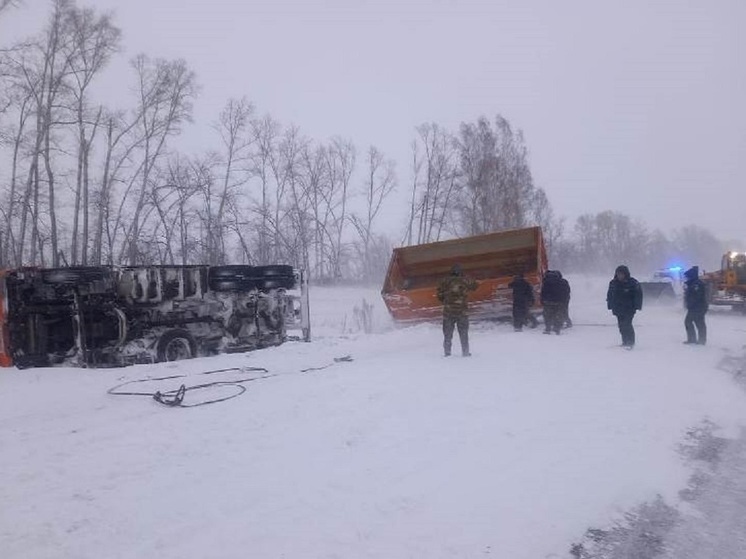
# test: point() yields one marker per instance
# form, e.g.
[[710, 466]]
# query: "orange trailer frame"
[[5, 358]]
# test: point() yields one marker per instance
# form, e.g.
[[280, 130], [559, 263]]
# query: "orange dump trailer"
[[5, 360], [409, 289]]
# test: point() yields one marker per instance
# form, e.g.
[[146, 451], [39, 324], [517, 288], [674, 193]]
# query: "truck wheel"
[[232, 271], [276, 283], [273, 271], [275, 277], [242, 285], [75, 275], [175, 345]]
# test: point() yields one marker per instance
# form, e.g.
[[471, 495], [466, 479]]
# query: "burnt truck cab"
[[54, 315], [106, 316]]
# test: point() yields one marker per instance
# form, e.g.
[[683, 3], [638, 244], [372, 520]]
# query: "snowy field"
[[402, 453]]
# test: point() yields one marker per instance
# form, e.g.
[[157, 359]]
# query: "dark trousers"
[[522, 316], [460, 322], [566, 322], [695, 319], [553, 317], [626, 329]]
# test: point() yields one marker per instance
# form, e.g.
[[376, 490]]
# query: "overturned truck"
[[409, 289], [108, 316]]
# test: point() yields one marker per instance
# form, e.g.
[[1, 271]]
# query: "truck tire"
[[276, 283], [273, 271], [175, 345], [75, 275], [231, 271], [279, 276], [242, 285], [232, 278]]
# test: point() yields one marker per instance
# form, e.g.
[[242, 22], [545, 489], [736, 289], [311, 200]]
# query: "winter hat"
[[622, 269]]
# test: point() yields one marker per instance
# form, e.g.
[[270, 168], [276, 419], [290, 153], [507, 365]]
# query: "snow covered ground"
[[512, 453]]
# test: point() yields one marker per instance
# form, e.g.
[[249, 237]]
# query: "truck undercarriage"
[[107, 316]]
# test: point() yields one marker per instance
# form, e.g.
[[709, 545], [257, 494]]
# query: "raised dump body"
[[409, 289]]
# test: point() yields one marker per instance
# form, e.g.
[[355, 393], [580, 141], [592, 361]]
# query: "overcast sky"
[[635, 106]]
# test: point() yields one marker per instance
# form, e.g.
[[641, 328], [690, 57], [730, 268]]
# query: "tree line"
[[84, 184], [89, 185]]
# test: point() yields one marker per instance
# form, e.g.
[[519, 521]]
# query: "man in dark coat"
[[523, 300], [566, 322], [552, 296], [624, 299], [695, 298], [453, 292]]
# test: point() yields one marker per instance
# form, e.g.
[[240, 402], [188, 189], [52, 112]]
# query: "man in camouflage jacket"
[[453, 292]]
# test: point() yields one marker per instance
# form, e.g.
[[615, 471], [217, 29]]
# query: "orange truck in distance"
[[409, 289]]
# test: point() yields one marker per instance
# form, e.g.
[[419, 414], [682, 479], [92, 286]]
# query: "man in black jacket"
[[552, 297], [695, 298], [624, 299], [523, 300]]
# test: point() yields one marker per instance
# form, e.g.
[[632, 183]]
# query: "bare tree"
[[4, 4], [542, 214], [94, 40], [10, 249], [173, 190], [265, 133], [315, 174], [165, 93], [496, 189], [340, 160], [380, 182], [303, 181], [610, 238], [233, 126], [435, 170], [121, 143], [53, 72], [38, 69], [283, 164], [56, 62]]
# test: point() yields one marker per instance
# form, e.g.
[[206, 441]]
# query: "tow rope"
[[175, 398], [343, 359]]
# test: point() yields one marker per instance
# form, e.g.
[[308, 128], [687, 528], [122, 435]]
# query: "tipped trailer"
[[409, 289], [107, 316]]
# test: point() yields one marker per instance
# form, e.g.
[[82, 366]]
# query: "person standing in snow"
[[523, 300], [566, 322], [453, 292], [624, 299], [695, 299], [552, 297]]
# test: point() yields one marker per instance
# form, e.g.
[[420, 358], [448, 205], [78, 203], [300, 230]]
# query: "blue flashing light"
[[675, 269]]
